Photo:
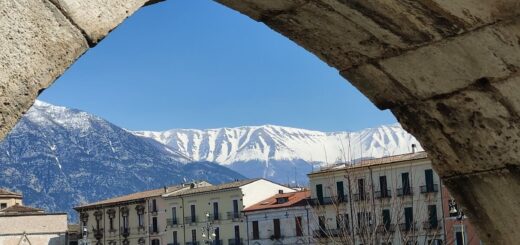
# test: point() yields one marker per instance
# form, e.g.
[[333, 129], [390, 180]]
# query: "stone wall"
[[446, 69]]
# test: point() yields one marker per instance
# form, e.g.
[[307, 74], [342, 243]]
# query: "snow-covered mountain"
[[281, 153], [60, 157]]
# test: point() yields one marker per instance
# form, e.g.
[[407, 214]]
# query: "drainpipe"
[[148, 218], [308, 226], [442, 212], [183, 221], [247, 228]]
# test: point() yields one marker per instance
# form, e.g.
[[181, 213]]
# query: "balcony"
[[235, 216], [192, 243], [430, 188], [359, 197], [364, 229], [153, 212], [171, 222], [125, 231], [431, 225], [401, 192], [387, 228], [236, 241], [173, 243], [98, 233], [408, 227], [191, 220], [382, 195], [141, 229], [215, 216]]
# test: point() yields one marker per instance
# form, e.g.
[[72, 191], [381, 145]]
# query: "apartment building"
[[134, 219], [280, 219], [457, 227], [213, 214], [390, 200], [21, 225]]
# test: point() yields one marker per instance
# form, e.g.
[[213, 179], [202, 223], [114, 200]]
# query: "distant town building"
[[457, 227], [280, 219], [190, 214], [390, 200], [22, 225]]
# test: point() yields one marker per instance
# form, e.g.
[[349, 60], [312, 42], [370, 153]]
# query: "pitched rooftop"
[[6, 193], [283, 200], [19, 209], [225, 186], [375, 161]]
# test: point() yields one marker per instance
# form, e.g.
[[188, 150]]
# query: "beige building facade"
[[391, 200], [21, 225], [188, 214]]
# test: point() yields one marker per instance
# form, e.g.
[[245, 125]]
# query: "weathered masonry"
[[448, 70]]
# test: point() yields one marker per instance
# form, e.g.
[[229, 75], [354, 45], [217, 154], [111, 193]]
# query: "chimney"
[[165, 189], [280, 191], [413, 148]]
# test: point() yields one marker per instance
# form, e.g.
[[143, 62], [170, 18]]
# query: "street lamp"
[[459, 216], [206, 229]]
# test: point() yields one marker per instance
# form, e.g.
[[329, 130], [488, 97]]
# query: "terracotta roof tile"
[[6, 193], [293, 199], [17, 208]]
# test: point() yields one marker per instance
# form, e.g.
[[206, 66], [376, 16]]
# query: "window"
[[361, 189], [405, 179], [174, 215], [299, 225], [155, 229], [432, 216], [193, 236], [125, 222], [458, 238], [3, 205], [175, 239], [140, 219], [217, 236], [156, 242], [193, 214], [340, 191], [319, 193], [276, 228], [321, 223], [237, 234], [235, 209], [256, 231], [111, 222], [428, 176], [154, 205], [215, 211], [383, 186], [364, 219], [342, 222], [386, 219], [408, 218]]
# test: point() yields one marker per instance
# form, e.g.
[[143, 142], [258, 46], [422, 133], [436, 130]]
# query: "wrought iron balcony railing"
[[404, 192], [383, 194], [234, 216], [429, 188], [171, 222], [408, 227]]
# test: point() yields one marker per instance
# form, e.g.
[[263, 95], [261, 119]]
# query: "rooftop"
[[375, 162], [6, 193], [19, 209], [225, 186], [133, 196], [290, 199]]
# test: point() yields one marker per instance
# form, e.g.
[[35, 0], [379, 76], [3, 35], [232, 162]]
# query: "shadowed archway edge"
[[448, 70]]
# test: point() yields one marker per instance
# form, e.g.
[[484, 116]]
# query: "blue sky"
[[197, 64]]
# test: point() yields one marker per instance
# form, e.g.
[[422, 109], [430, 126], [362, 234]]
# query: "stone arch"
[[444, 68]]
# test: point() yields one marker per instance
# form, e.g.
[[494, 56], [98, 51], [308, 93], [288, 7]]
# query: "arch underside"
[[448, 70]]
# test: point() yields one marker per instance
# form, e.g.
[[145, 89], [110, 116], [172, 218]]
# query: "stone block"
[[98, 17], [258, 10], [37, 44], [455, 63]]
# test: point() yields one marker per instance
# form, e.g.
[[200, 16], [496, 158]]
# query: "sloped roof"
[[6, 193], [294, 199], [376, 161], [17, 208], [225, 186], [132, 197]]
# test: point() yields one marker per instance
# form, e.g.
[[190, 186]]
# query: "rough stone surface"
[[447, 69], [96, 18], [37, 44]]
